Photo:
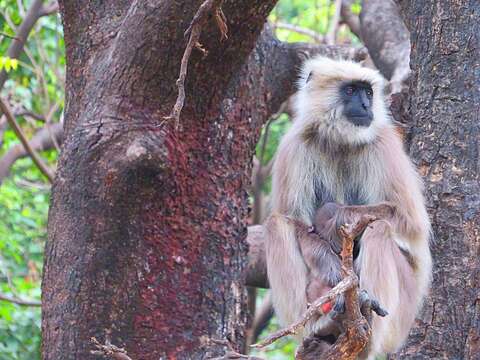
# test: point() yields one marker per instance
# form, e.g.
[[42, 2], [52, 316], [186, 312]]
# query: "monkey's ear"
[[309, 77]]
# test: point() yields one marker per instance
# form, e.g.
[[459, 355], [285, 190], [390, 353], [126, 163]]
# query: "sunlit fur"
[[325, 158]]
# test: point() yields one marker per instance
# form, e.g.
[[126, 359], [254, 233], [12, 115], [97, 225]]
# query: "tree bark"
[[147, 223], [444, 103]]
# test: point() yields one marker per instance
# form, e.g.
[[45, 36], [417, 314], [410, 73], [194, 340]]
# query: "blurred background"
[[32, 84]]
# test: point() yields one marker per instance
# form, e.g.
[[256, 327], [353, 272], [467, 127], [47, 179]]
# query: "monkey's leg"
[[287, 272], [387, 277]]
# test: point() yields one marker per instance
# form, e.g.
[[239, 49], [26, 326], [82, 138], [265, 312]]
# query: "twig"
[[194, 31], [331, 36], [30, 114], [109, 350], [49, 9], [40, 141], [349, 18], [261, 319], [18, 301], [18, 131], [13, 37], [231, 354], [315, 309], [316, 37]]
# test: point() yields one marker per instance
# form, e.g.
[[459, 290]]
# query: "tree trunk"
[[147, 223], [445, 103]]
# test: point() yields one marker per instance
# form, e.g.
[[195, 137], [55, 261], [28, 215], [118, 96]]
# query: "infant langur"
[[320, 247], [344, 149]]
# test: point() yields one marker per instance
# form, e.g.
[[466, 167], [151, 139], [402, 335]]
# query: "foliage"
[[313, 15], [35, 84]]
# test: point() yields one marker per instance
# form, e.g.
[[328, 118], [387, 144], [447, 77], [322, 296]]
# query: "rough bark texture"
[[147, 223], [444, 103]]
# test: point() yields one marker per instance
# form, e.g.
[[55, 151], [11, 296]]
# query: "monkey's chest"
[[346, 184]]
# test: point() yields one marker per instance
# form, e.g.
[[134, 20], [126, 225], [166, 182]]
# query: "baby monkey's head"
[[340, 102]]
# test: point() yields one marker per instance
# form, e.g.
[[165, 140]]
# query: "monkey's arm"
[[403, 188], [323, 263], [331, 216]]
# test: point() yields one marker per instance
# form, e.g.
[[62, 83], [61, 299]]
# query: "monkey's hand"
[[326, 224]]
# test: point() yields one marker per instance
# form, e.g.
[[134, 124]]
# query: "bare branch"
[[231, 354], [315, 309], [18, 301], [21, 136], [30, 114], [387, 39], [357, 332], [109, 350], [262, 318], [331, 36], [42, 140], [348, 17], [13, 37], [49, 9], [318, 38], [194, 31]]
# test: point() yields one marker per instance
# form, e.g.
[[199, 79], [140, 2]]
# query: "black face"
[[357, 100]]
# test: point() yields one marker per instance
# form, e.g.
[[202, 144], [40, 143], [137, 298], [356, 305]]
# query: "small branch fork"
[[357, 331], [194, 31], [109, 350], [5, 109]]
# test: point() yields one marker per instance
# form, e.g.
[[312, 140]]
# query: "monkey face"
[[340, 102], [357, 98]]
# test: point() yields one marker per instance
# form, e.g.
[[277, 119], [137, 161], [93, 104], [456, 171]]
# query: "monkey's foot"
[[367, 304]]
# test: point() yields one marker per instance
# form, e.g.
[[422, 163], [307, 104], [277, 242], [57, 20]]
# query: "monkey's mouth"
[[361, 120]]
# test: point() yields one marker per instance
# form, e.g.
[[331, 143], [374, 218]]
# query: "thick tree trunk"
[[147, 223], [445, 103]]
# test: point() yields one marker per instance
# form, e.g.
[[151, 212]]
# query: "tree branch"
[[387, 39], [42, 140], [49, 9], [318, 38], [109, 350], [18, 301], [28, 148], [331, 36], [315, 309], [194, 31], [349, 18], [357, 331]]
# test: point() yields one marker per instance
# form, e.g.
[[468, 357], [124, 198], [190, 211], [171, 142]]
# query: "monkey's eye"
[[309, 77], [369, 92], [349, 90]]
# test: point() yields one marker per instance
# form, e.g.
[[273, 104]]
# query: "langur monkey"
[[343, 149]]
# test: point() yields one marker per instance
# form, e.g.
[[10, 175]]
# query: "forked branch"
[[193, 32], [109, 350], [5, 109], [357, 330]]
